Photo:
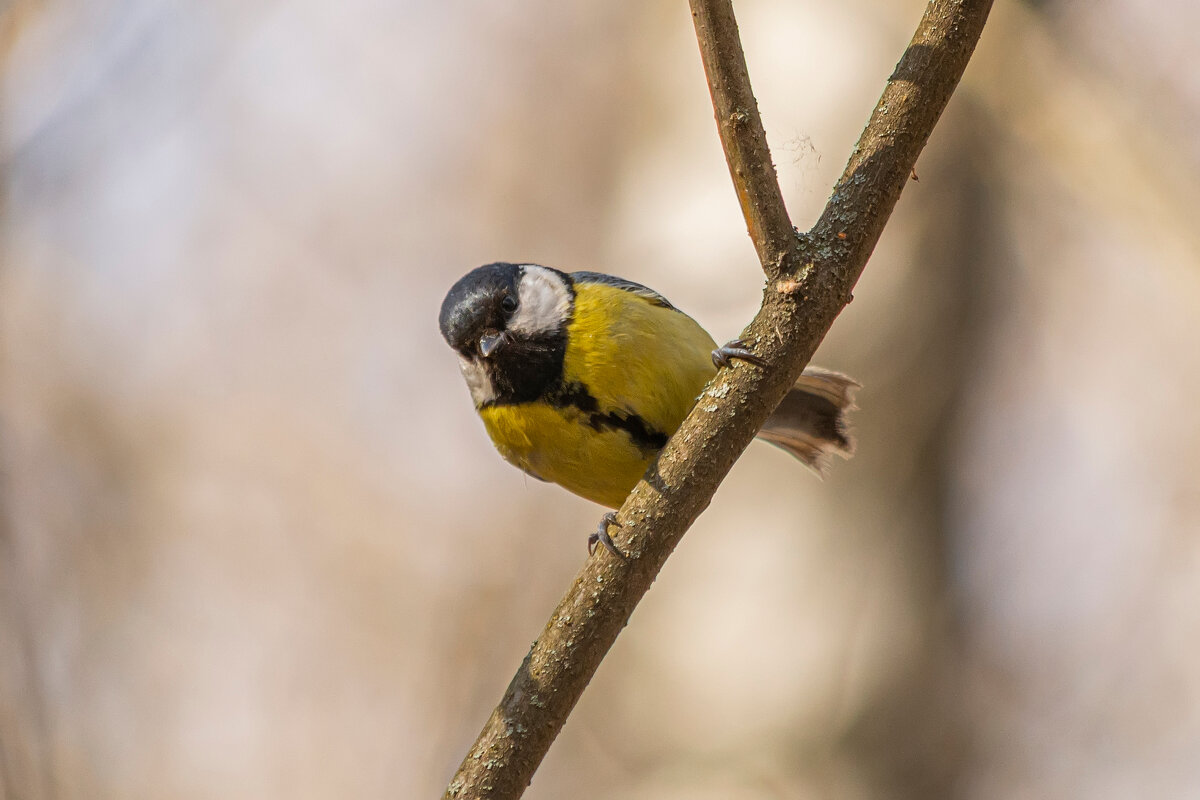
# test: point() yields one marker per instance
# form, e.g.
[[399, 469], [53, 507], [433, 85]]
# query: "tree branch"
[[810, 278], [741, 129]]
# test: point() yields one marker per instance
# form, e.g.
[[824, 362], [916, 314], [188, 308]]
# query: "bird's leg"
[[724, 355], [601, 535]]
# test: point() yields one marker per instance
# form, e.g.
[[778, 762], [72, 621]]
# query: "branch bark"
[[810, 279]]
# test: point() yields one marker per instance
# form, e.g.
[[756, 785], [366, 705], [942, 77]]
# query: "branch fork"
[[810, 278]]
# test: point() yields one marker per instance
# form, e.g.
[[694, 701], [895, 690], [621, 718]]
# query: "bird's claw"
[[601, 535], [724, 355]]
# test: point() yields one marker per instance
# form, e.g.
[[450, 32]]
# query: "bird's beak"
[[490, 342]]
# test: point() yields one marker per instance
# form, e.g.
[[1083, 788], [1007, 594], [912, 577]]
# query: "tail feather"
[[810, 423]]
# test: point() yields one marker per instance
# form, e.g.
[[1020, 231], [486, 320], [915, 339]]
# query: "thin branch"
[[810, 280], [741, 129]]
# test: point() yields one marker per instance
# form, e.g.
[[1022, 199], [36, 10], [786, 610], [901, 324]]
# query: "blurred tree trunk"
[[24, 740], [915, 737]]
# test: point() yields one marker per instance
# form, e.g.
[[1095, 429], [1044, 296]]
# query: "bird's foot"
[[724, 355], [601, 535]]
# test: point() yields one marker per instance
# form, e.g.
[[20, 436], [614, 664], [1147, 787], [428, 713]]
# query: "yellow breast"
[[637, 360], [558, 445]]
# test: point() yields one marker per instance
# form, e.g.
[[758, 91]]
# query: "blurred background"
[[255, 543]]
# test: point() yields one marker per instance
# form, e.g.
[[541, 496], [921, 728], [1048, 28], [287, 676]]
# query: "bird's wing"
[[620, 283]]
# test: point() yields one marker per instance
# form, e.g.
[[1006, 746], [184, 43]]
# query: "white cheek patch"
[[478, 382], [545, 301]]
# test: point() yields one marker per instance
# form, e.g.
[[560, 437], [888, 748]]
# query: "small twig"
[[810, 278]]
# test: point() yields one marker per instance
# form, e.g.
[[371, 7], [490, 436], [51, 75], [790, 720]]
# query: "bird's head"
[[508, 324]]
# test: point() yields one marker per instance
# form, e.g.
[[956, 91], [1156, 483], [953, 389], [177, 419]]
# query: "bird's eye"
[[508, 303]]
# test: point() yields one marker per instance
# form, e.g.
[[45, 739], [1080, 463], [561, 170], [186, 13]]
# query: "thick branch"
[[811, 277]]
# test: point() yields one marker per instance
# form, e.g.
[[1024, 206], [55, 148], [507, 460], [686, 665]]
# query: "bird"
[[581, 377]]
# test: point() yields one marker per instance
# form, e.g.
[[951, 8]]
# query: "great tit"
[[581, 377]]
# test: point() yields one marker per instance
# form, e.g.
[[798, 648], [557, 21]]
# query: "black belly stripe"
[[575, 395]]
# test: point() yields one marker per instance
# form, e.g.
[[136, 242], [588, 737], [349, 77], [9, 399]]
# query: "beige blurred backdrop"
[[255, 543]]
